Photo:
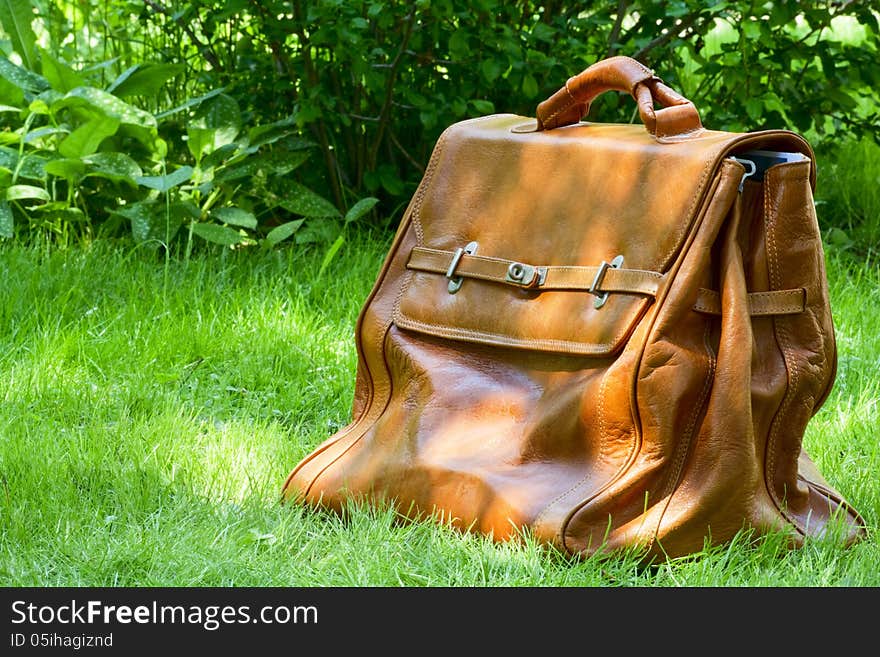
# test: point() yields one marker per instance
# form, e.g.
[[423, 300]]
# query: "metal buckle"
[[752, 168], [456, 281], [525, 275], [602, 297]]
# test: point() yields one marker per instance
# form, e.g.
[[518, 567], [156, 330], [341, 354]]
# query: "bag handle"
[[572, 102]]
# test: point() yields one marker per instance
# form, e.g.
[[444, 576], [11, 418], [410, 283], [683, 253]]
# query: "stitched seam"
[[603, 446], [495, 338], [571, 103], [634, 432], [678, 464], [772, 307], [622, 287], [383, 334], [354, 442], [417, 220], [664, 261], [417, 207], [602, 452], [711, 308], [791, 365]]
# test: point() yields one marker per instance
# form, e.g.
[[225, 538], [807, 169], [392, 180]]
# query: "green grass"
[[150, 416], [848, 195]]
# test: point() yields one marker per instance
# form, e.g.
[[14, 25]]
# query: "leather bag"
[[602, 335]]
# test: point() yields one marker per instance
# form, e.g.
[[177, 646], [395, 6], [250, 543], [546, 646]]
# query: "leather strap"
[[633, 281], [627, 281], [677, 117], [775, 302]]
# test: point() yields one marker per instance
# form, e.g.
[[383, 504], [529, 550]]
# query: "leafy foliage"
[[78, 159], [366, 86], [374, 82]]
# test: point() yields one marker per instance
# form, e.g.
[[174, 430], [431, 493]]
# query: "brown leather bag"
[[605, 335]]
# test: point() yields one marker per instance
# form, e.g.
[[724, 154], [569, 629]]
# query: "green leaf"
[[28, 81], [318, 232], [192, 102], [167, 182], [117, 167], [282, 232], [19, 192], [262, 135], [8, 157], [217, 234], [223, 153], [41, 133], [51, 207], [16, 17], [144, 79], [151, 221], [529, 86], [59, 211], [235, 217], [122, 77], [216, 124], [751, 29], [11, 93], [32, 167], [39, 106], [7, 222], [483, 106], [66, 168], [491, 69], [284, 162], [243, 170], [141, 220], [97, 102], [61, 76], [199, 142], [839, 238], [185, 210], [458, 44], [390, 180], [754, 108], [305, 202], [360, 208], [331, 253], [86, 139]]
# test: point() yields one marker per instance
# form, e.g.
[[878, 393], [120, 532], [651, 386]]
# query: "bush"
[[81, 158], [372, 83]]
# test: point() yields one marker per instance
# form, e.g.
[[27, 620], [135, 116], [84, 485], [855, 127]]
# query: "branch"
[[406, 154], [615, 29], [204, 48], [389, 89], [319, 127], [663, 39]]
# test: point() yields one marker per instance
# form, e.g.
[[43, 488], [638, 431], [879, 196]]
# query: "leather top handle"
[[572, 102]]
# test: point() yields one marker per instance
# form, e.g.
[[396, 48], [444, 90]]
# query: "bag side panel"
[[669, 391], [372, 383], [806, 343], [747, 468]]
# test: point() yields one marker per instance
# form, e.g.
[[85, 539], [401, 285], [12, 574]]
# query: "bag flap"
[[569, 197]]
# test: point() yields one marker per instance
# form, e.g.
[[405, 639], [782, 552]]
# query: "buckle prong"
[[602, 297], [456, 281]]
